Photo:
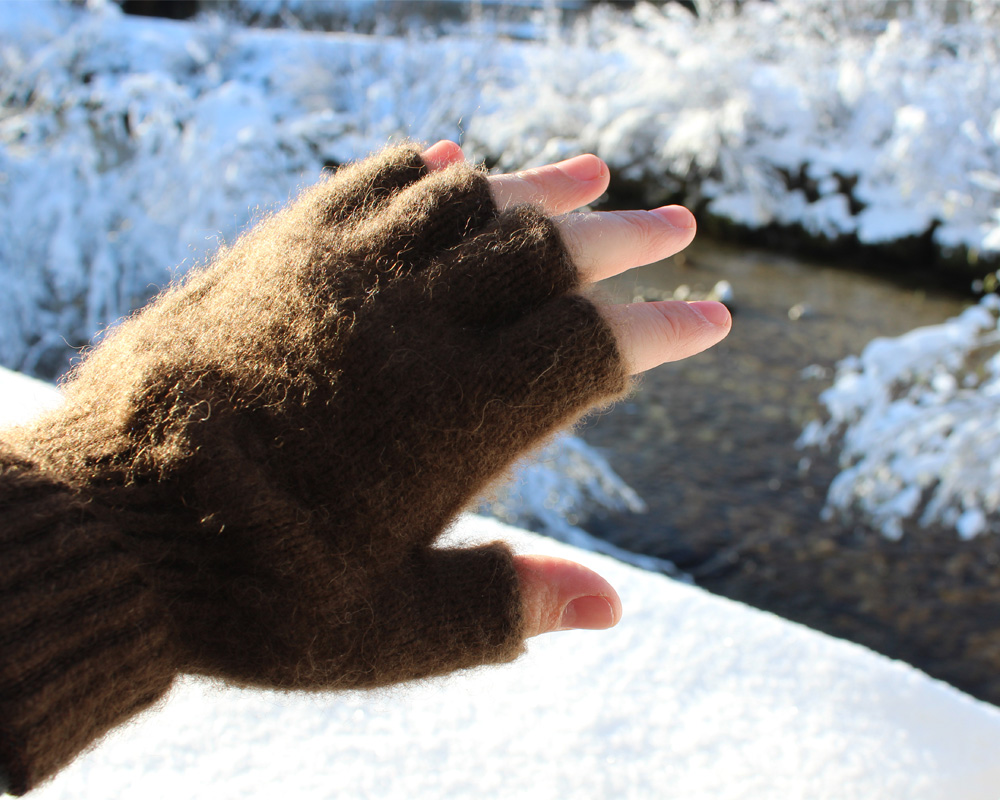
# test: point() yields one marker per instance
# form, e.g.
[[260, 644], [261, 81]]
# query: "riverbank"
[[708, 443], [918, 260], [863, 137]]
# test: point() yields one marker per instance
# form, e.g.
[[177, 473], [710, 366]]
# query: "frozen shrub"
[[917, 421]]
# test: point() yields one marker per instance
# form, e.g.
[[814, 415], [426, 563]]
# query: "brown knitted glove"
[[248, 477]]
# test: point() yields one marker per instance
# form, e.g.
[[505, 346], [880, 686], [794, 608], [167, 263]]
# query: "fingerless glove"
[[247, 478]]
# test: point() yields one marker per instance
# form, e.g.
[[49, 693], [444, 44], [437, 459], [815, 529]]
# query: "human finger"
[[555, 188], [442, 154], [606, 243], [650, 334], [562, 595]]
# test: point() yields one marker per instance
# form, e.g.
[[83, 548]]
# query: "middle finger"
[[555, 188], [606, 243]]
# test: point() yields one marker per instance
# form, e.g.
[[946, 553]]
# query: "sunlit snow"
[[129, 146], [917, 422], [691, 696]]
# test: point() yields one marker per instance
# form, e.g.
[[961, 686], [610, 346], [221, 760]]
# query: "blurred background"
[[836, 460]]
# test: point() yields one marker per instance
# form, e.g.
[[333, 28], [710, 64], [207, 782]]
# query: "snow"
[[129, 146], [916, 419], [691, 692], [22, 397], [691, 696]]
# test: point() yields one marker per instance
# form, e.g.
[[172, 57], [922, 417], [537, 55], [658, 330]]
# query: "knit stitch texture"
[[248, 477]]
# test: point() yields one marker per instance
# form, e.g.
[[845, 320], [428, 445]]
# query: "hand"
[[248, 479], [559, 594]]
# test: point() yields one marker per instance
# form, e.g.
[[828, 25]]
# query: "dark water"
[[709, 445], [707, 442]]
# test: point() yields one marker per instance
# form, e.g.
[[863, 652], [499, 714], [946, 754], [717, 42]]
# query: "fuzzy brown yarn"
[[247, 478]]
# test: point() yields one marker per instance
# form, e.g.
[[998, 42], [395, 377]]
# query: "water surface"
[[708, 442]]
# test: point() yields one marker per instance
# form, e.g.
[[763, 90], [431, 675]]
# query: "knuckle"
[[667, 326], [646, 233], [572, 231], [538, 186]]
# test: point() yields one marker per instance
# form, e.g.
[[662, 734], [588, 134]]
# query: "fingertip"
[[714, 312], [442, 154], [682, 221], [678, 216], [563, 595], [589, 613], [585, 168]]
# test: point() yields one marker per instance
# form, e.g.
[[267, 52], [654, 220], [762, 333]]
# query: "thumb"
[[563, 595]]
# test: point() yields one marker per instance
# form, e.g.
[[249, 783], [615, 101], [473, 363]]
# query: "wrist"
[[84, 641]]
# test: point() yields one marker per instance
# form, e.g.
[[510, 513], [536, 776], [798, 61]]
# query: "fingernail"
[[715, 312], [434, 147], [582, 168], [591, 613], [678, 216]]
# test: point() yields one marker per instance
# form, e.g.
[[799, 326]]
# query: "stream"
[[709, 444]]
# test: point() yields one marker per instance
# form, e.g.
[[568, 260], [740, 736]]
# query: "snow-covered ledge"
[[22, 398], [691, 696]]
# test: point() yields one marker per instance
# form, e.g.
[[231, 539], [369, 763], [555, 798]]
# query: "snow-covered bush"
[[866, 121], [917, 421], [125, 154], [129, 146], [555, 492]]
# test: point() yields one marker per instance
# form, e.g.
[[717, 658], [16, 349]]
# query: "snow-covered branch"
[[129, 146], [917, 421]]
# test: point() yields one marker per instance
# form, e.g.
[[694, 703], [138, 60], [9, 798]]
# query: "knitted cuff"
[[82, 639]]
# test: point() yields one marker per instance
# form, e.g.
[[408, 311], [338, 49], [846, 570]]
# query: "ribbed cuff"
[[83, 640]]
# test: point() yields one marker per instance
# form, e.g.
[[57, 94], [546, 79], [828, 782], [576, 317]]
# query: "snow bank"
[[22, 398], [690, 696], [131, 145], [917, 422]]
